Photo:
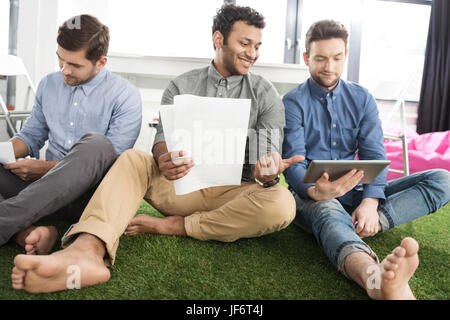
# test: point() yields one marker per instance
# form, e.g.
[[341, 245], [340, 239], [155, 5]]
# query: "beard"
[[73, 81], [324, 85]]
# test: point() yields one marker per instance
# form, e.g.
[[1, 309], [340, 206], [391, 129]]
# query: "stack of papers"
[[213, 131], [6, 153]]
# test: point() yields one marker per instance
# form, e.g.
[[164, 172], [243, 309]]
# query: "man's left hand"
[[365, 218], [30, 169], [271, 165]]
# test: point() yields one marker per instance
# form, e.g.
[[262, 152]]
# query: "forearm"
[[48, 165], [20, 148], [158, 150]]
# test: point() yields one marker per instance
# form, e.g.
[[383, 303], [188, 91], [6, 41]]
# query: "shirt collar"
[[218, 79], [89, 86], [319, 92]]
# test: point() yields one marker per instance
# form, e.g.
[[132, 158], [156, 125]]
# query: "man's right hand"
[[175, 165], [327, 190]]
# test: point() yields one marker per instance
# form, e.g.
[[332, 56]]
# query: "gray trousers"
[[61, 194]]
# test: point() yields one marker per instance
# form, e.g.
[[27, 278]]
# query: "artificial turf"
[[286, 265]]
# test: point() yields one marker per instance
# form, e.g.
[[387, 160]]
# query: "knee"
[[279, 210], [133, 156], [329, 214], [96, 143], [440, 180]]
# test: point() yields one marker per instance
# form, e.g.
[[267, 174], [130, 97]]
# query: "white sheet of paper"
[[6, 152], [214, 132]]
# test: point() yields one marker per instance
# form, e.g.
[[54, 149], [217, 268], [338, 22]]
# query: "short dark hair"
[[325, 30], [230, 13], [84, 32]]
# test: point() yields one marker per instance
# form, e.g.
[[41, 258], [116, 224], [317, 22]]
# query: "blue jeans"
[[407, 199]]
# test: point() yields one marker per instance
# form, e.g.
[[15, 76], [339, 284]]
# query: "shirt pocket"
[[349, 139]]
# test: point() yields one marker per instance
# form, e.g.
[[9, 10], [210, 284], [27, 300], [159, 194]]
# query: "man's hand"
[[30, 169], [175, 165], [327, 190], [365, 218], [271, 165]]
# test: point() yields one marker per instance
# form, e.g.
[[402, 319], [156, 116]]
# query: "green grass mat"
[[284, 265]]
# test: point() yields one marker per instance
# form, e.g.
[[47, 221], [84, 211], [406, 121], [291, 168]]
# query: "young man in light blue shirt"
[[328, 118], [89, 116]]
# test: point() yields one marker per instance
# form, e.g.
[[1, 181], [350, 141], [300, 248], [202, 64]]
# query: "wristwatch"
[[270, 183]]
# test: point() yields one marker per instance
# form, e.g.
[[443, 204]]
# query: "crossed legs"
[[91, 244]]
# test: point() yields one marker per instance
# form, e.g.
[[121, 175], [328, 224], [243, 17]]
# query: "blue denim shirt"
[[108, 104], [336, 125]]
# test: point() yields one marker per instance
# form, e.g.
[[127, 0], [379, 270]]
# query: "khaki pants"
[[219, 213]]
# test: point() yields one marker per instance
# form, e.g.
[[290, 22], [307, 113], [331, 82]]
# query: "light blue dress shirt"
[[108, 104], [336, 125]]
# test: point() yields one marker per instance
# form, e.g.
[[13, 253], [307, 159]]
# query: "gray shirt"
[[266, 120]]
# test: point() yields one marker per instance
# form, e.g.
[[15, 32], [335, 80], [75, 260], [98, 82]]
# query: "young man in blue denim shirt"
[[88, 115], [331, 119]]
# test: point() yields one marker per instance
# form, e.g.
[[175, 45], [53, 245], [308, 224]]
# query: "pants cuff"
[[192, 226], [349, 248], [96, 228]]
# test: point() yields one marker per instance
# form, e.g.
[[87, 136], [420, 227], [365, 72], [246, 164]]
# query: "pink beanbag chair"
[[426, 151]]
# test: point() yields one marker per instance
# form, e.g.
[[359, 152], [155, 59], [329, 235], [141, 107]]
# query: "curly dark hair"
[[84, 32], [230, 13]]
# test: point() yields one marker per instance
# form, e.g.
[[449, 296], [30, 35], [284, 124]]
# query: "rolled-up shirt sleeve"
[[35, 131], [294, 144], [371, 147]]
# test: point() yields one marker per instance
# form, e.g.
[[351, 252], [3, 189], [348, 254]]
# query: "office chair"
[[399, 106], [13, 66]]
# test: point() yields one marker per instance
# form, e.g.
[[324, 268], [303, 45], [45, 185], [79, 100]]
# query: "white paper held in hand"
[[213, 131], [6, 153]]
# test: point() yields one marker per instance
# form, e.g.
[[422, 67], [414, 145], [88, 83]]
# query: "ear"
[[101, 63], [306, 58], [218, 39]]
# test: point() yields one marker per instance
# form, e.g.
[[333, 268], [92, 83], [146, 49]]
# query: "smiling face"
[[240, 52], [326, 60], [75, 68]]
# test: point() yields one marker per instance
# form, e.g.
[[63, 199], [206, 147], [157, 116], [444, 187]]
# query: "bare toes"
[[390, 266], [388, 275], [399, 252]]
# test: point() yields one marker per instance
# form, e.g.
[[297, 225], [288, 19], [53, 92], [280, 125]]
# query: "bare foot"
[[41, 240], [142, 223], [80, 265], [396, 270], [20, 236]]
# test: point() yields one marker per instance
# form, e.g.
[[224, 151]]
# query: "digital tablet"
[[338, 168]]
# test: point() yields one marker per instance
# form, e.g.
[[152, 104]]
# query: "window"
[[174, 28], [169, 28], [386, 44], [273, 39], [394, 37]]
